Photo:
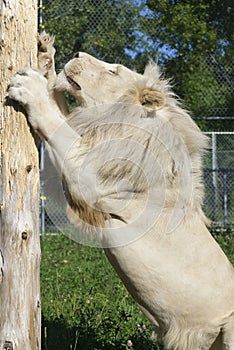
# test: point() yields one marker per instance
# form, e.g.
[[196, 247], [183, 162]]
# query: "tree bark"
[[20, 312]]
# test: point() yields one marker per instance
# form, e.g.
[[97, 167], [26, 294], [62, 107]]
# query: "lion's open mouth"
[[72, 82]]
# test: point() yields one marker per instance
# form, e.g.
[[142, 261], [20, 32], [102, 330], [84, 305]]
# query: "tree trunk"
[[20, 312]]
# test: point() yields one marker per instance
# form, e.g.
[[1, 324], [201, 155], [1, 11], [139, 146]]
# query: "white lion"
[[130, 159]]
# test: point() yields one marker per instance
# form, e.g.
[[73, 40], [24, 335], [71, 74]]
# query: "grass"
[[85, 305]]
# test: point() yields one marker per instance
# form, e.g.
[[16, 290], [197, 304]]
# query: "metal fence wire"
[[219, 179], [131, 32], [219, 199]]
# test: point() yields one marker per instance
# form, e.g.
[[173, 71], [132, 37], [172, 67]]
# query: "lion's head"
[[94, 82]]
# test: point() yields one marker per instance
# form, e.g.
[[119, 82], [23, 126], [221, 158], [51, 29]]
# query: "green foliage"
[[192, 27], [191, 39], [84, 304], [106, 29], [225, 238], [198, 48]]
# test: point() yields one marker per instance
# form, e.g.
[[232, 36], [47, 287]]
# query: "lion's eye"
[[112, 71]]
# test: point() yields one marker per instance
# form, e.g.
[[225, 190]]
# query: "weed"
[[85, 305]]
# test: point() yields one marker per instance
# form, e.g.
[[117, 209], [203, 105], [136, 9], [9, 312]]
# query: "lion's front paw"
[[45, 54], [28, 87]]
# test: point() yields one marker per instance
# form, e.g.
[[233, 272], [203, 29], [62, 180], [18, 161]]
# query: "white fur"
[[130, 158]]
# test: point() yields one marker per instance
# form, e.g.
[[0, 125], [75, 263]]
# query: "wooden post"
[[20, 312]]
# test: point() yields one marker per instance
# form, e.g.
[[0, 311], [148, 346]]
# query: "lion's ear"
[[152, 98]]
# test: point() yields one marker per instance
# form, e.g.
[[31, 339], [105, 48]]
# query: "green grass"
[[85, 305], [226, 241]]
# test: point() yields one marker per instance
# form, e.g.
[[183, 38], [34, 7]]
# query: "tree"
[[191, 39], [19, 226], [106, 29], [196, 44]]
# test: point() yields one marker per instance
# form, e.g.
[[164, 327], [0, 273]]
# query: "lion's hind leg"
[[218, 343], [228, 334], [225, 338]]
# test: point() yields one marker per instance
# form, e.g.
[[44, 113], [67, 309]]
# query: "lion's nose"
[[76, 55]]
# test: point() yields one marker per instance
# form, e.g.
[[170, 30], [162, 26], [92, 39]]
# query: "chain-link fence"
[[219, 199], [193, 45], [192, 42], [218, 185], [219, 179]]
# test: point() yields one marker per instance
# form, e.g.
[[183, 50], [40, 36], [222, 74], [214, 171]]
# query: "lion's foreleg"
[[46, 67]]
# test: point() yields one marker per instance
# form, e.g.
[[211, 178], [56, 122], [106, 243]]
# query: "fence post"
[[225, 208], [214, 174]]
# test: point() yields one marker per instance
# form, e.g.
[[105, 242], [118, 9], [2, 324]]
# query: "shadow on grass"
[[56, 335]]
